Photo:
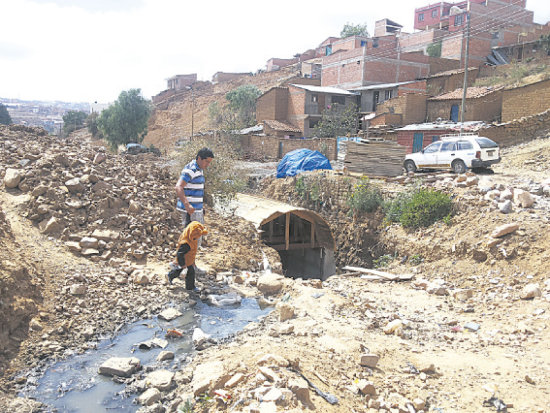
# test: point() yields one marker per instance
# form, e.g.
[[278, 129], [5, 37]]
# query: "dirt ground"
[[462, 332]]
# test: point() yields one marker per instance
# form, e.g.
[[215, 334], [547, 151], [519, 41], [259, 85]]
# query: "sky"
[[91, 50]]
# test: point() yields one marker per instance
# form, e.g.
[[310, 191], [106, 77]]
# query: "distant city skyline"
[[91, 50]]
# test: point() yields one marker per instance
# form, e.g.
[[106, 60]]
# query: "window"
[[314, 98], [448, 146], [363, 43], [375, 42], [388, 94], [495, 35], [421, 17], [464, 145], [328, 50], [434, 147], [435, 138], [459, 19], [434, 13], [340, 100], [313, 123]]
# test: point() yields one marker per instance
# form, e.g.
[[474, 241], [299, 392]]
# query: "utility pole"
[[467, 52]]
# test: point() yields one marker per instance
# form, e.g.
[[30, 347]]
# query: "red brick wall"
[[272, 105], [406, 138], [486, 108], [261, 147], [525, 100]]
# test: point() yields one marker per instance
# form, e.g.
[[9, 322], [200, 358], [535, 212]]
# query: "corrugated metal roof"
[[471, 93], [384, 85], [260, 211], [326, 89], [472, 125]]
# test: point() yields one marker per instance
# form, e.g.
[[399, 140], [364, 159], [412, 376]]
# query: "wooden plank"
[[381, 274], [287, 229], [312, 234]]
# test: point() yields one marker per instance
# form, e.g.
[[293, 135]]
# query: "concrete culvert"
[[301, 237]]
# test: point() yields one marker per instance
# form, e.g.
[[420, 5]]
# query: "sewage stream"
[[74, 385]]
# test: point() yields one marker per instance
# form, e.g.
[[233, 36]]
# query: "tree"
[[73, 120], [337, 120], [5, 118], [239, 111], [354, 30], [434, 49], [92, 124], [126, 120], [242, 103]]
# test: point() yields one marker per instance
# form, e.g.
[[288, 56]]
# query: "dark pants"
[[190, 278]]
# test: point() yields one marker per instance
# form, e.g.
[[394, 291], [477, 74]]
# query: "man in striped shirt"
[[190, 188]]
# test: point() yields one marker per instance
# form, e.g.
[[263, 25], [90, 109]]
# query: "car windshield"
[[486, 143]]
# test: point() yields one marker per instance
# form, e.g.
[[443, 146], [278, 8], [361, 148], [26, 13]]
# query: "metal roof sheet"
[[324, 89], [384, 85]]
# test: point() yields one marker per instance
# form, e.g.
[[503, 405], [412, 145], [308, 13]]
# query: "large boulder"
[[12, 177]]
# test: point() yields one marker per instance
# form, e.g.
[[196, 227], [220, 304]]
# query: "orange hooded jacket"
[[190, 236]]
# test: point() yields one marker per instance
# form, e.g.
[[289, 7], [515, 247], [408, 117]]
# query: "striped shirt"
[[194, 190]]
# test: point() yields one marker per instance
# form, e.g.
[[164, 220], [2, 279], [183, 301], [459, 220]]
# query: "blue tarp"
[[300, 160]]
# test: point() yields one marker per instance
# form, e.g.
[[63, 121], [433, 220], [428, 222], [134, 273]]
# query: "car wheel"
[[459, 167], [410, 166]]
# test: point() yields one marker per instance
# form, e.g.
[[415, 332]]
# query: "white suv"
[[457, 152]]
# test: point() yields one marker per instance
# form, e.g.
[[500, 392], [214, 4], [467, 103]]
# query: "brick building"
[[417, 137], [450, 80], [301, 105], [402, 110], [180, 82], [526, 100], [482, 104], [374, 95]]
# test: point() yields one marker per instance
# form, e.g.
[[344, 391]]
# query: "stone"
[[149, 397], [524, 199], [50, 226], [463, 294], [419, 404], [89, 242], [77, 289], [479, 256], [141, 278], [233, 381], [270, 284], [273, 360], [12, 177], [99, 158], [74, 186], [300, 389], [120, 366], [208, 376], [369, 360], [274, 395], [165, 355], [106, 235], [394, 327], [366, 387], [200, 338], [504, 230], [269, 374], [160, 379], [286, 311], [530, 291], [73, 246], [169, 314], [506, 207], [134, 207]]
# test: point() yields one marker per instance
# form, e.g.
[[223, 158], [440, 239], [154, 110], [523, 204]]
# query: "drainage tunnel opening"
[[304, 243]]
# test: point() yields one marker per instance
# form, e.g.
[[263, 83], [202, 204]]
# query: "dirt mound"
[[104, 205], [19, 294]]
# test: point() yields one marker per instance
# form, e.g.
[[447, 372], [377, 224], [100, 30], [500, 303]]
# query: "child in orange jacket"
[[186, 253]]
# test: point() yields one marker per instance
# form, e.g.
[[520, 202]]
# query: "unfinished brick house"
[[300, 105], [525, 100], [402, 110], [482, 104], [180, 82], [374, 95]]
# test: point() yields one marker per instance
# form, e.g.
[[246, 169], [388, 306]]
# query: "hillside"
[[171, 119]]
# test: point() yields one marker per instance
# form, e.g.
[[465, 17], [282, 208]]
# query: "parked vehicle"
[[455, 152], [137, 148]]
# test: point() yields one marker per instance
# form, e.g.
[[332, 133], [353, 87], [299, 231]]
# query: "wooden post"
[[312, 234], [287, 230]]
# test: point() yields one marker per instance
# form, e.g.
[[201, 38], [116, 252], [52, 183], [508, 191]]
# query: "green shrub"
[[424, 208], [364, 197], [393, 209], [383, 260]]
